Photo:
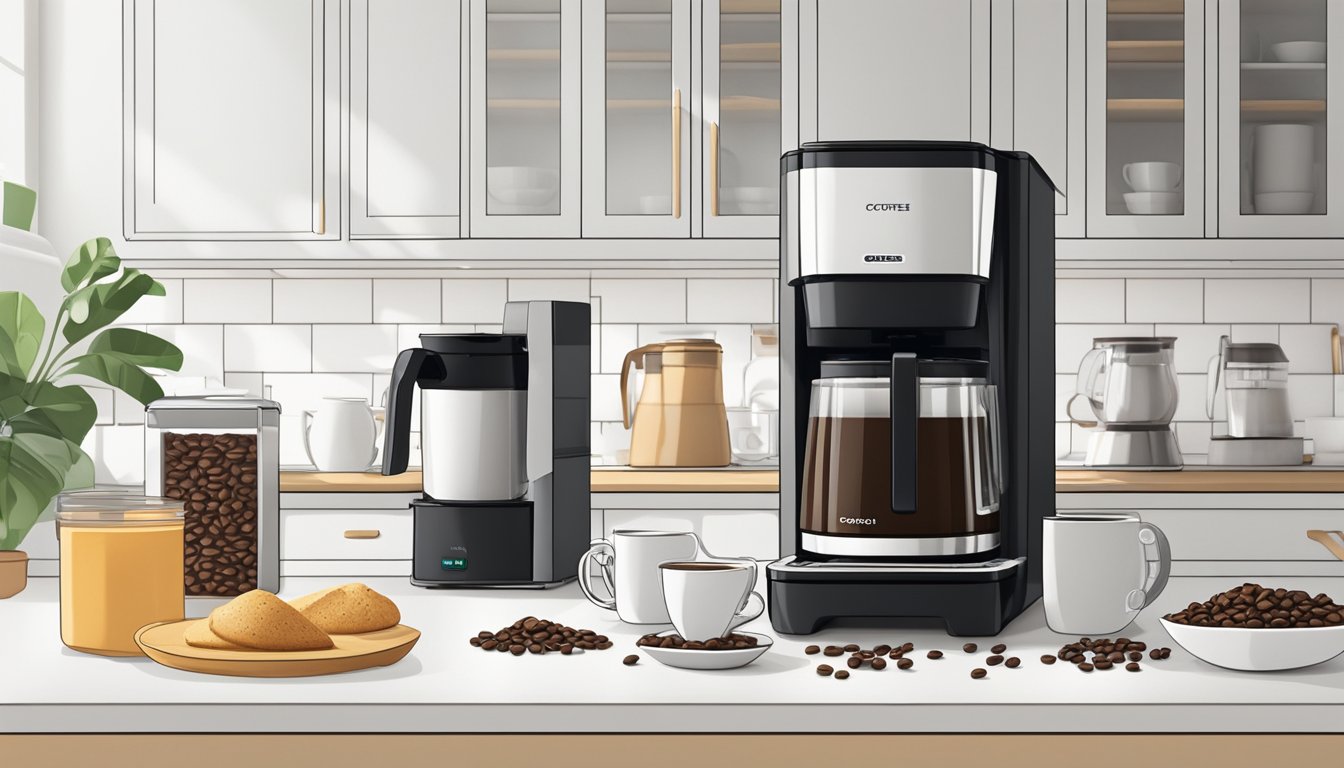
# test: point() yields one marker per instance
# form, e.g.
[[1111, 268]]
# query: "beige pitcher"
[[679, 419]]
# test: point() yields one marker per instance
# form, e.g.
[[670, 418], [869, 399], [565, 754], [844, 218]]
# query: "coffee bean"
[[994, 660], [1102, 664], [881, 650], [630, 660], [842, 675], [1047, 659], [476, 641], [999, 648], [1012, 662], [904, 663], [907, 647], [535, 648], [1155, 654], [215, 477], [490, 644], [1085, 667], [824, 670], [1133, 666], [852, 647], [1256, 607], [854, 662], [834, 650], [1135, 656], [1166, 653], [517, 650], [879, 663], [812, 650], [970, 647], [978, 673]]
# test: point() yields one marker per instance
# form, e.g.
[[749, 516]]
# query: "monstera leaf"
[[100, 304], [33, 469], [93, 261], [21, 331]]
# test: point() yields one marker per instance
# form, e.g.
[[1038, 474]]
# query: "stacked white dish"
[[1155, 184], [1299, 51], [520, 188], [1283, 171]]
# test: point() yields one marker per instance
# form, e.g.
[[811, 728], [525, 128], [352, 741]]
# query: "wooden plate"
[[165, 643]]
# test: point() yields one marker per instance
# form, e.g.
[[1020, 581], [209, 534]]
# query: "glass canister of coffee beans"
[[220, 456]]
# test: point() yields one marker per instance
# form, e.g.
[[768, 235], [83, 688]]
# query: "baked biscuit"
[[260, 620], [349, 609], [198, 635]]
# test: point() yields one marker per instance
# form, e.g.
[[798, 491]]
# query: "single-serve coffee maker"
[[1130, 384], [1254, 379], [504, 447], [916, 362]]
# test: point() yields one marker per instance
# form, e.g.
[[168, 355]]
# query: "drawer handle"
[[370, 534], [1325, 539]]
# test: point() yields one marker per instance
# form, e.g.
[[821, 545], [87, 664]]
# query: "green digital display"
[[454, 563]]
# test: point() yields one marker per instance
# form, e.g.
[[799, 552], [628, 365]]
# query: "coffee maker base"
[[1119, 447], [974, 600]]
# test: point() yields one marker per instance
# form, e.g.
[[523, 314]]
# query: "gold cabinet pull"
[[322, 216], [368, 534], [714, 169], [676, 153], [1327, 540]]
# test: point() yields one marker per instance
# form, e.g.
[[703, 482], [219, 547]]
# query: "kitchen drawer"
[[320, 534], [1239, 534], [724, 532]]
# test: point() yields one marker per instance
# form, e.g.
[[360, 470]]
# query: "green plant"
[[43, 421]]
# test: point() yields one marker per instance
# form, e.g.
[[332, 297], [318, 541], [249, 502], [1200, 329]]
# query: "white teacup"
[[1153, 176], [628, 564], [341, 435], [708, 599]]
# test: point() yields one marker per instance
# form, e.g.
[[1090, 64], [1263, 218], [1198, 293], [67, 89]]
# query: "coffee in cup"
[[708, 599]]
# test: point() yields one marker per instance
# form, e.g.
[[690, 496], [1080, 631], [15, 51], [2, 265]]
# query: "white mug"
[[1283, 157], [1097, 573], [1153, 176], [341, 436], [628, 564], [707, 599]]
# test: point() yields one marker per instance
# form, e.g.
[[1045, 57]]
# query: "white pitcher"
[[341, 435]]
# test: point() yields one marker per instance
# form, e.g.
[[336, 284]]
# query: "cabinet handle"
[[1327, 540], [714, 169], [322, 216], [370, 534], [676, 153]]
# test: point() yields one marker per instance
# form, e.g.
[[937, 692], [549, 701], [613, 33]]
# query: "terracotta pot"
[[13, 572]]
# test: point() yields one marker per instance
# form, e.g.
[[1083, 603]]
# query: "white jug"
[[341, 435]]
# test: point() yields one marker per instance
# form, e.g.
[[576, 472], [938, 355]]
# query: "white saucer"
[[683, 658]]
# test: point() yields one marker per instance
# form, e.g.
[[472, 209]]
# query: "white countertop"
[[446, 685]]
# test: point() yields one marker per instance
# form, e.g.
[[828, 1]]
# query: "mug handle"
[[1124, 174], [745, 616], [608, 552], [1156, 578], [308, 427]]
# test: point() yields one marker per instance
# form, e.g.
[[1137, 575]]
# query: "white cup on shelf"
[[1152, 176]]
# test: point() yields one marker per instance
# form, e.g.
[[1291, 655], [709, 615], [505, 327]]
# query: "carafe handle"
[[1214, 374], [904, 432], [307, 431], [634, 357], [411, 364], [1090, 369]]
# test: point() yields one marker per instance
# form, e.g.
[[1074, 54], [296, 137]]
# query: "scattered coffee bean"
[[812, 650], [842, 675], [1133, 666], [1166, 653], [994, 660], [539, 636], [1085, 667], [1102, 664], [1047, 659], [978, 673], [1155, 654], [970, 647], [907, 647], [630, 660], [904, 663], [999, 648], [881, 650], [1012, 662], [854, 662], [1135, 656], [825, 670], [732, 642], [1254, 606], [879, 663], [935, 654], [476, 641], [866, 655], [851, 648], [834, 650]]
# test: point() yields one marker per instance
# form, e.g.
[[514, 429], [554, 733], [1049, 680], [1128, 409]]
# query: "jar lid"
[[111, 509], [212, 412], [1260, 353]]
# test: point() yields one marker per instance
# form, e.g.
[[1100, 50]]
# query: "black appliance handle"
[[410, 365], [904, 432]]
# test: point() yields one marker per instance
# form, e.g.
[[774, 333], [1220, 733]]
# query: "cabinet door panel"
[[405, 118], [232, 141]]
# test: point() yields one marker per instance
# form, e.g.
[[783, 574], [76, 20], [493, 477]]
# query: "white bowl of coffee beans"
[[1260, 629]]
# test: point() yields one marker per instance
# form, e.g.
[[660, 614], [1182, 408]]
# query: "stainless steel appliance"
[[1130, 384], [917, 299], [1254, 379], [504, 447]]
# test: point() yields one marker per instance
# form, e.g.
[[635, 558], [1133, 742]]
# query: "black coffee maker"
[[917, 372]]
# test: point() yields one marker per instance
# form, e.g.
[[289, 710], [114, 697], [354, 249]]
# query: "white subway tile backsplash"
[[202, 348], [252, 382], [1062, 443], [530, 289], [1193, 436], [1073, 341], [1192, 403], [104, 398], [268, 348], [354, 348], [1195, 344], [1257, 301], [118, 454], [1164, 301], [157, 309], [1090, 301], [227, 300], [1311, 395], [1253, 333], [642, 300], [728, 300], [407, 301], [1307, 347], [472, 300], [605, 403], [1327, 300], [617, 340], [325, 300]]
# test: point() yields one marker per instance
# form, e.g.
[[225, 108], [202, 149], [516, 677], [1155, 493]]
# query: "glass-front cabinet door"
[[1145, 118], [745, 120], [1281, 163], [636, 118], [525, 174]]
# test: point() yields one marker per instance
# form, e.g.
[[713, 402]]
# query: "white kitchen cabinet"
[[637, 118], [1281, 147], [232, 127], [894, 69], [346, 534], [525, 118], [1145, 103], [1048, 100], [405, 118]]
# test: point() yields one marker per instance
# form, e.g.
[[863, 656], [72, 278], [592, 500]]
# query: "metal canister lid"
[[212, 411], [1255, 353]]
